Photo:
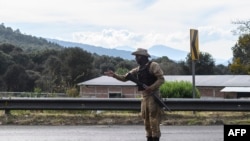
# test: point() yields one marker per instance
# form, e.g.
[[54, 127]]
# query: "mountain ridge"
[[95, 49], [155, 51], [125, 51]]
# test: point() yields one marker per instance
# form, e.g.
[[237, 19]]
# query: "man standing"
[[151, 74]]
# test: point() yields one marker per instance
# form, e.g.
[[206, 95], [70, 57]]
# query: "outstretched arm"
[[110, 73]]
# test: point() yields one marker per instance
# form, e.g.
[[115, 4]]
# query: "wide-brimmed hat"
[[141, 51]]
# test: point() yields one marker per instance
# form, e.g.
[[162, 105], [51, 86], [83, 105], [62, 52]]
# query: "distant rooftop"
[[213, 80], [107, 81], [236, 89], [200, 80]]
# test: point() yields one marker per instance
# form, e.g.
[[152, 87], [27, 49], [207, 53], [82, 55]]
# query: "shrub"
[[72, 92], [178, 89]]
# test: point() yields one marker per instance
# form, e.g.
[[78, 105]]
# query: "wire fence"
[[31, 94]]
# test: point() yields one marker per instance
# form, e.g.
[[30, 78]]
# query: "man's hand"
[[109, 73], [148, 89]]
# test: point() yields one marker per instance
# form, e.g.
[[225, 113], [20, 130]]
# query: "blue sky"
[[134, 23]]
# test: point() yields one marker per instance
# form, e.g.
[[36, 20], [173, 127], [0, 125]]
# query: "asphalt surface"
[[108, 133]]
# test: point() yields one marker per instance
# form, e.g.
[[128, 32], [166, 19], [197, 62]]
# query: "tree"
[[102, 63], [5, 62], [77, 65], [7, 48], [169, 67], [40, 57], [185, 68], [243, 27], [221, 69], [204, 66], [241, 50], [2, 84], [17, 79], [52, 71], [238, 68]]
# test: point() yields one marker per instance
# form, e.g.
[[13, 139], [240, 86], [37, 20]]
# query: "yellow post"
[[194, 44]]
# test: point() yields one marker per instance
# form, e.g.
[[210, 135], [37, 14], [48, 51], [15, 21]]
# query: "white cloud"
[[107, 37], [135, 23], [220, 49]]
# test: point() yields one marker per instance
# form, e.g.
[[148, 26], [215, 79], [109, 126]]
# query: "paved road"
[[108, 133]]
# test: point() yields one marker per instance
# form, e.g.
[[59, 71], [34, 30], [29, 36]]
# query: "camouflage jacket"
[[154, 69]]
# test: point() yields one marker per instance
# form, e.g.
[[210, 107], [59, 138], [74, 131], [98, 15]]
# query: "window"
[[115, 95]]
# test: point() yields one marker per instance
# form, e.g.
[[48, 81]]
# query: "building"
[[108, 87], [210, 86]]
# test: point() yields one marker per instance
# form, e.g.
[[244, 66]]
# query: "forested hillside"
[[26, 42], [28, 63]]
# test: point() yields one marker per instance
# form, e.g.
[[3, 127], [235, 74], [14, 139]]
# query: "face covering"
[[141, 60]]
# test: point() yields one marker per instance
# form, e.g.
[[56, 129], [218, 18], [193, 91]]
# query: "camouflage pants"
[[151, 114]]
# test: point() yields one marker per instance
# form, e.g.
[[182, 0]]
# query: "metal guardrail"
[[121, 104]]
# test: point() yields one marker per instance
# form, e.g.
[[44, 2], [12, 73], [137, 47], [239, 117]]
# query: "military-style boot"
[[149, 139], [155, 139]]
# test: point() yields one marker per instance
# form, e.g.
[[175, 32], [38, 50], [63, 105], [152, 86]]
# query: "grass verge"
[[44, 117]]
